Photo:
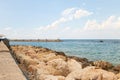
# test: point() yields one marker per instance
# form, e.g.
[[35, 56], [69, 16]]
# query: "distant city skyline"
[[64, 19]]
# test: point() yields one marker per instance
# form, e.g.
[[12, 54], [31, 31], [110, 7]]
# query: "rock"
[[30, 51], [51, 77], [60, 53], [57, 63], [46, 69], [91, 73], [28, 61], [117, 68], [60, 65], [46, 56], [44, 49], [32, 69], [73, 65], [45, 64], [118, 75], [85, 64], [102, 64], [78, 59], [58, 57]]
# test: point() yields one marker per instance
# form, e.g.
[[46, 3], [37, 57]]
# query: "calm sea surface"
[[108, 50]]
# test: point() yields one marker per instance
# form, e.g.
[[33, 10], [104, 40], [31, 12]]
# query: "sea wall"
[[45, 64], [9, 70]]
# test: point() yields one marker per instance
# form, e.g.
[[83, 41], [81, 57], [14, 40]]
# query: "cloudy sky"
[[64, 19]]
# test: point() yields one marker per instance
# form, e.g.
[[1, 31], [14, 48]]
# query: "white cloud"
[[67, 15], [109, 28], [92, 25], [57, 22], [111, 23], [68, 11], [53, 24], [75, 13], [81, 13]]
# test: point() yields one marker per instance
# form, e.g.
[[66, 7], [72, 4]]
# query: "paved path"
[[9, 70]]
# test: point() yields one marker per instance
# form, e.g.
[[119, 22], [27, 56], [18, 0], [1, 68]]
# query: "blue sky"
[[72, 19]]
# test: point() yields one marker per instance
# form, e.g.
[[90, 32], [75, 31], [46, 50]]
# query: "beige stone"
[[118, 75], [73, 65], [51, 77], [91, 73]]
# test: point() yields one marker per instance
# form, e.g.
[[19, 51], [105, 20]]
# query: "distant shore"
[[35, 40]]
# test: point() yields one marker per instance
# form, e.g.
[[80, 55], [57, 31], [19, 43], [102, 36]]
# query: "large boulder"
[[73, 65], [91, 73], [118, 75], [51, 77], [60, 65]]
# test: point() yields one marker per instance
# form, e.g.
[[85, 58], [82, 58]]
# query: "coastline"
[[90, 49], [40, 63]]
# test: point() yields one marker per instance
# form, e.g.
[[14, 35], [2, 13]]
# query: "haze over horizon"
[[64, 19]]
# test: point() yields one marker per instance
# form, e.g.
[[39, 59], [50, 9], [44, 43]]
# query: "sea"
[[106, 50]]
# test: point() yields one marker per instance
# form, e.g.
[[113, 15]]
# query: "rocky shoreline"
[[44, 64]]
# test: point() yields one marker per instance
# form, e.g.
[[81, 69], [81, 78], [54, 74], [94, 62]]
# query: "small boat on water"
[[101, 41]]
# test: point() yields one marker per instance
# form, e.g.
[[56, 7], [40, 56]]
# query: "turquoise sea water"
[[108, 50]]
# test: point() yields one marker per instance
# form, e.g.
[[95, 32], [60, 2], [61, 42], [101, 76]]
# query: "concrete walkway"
[[9, 70]]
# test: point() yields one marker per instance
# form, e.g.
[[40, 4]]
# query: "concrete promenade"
[[9, 70]]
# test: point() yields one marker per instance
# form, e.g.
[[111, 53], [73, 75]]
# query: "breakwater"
[[43, 63], [36, 40]]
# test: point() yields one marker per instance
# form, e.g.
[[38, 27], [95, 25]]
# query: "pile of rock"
[[45, 64]]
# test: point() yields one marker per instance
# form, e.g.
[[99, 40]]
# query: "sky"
[[63, 19]]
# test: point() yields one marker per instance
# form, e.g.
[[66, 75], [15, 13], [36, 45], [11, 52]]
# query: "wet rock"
[[116, 68], [60, 53], [102, 64], [78, 59], [45, 49], [85, 64]]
